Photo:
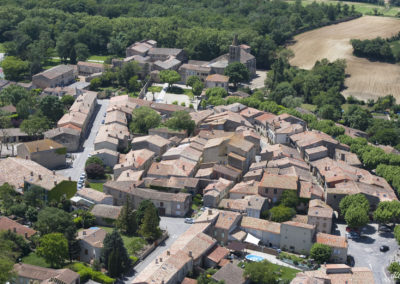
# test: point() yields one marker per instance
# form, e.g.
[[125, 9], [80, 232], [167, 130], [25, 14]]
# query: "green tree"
[[8, 256], [84, 219], [320, 253], [354, 200], [23, 109], [192, 80], [329, 112], [114, 255], [197, 88], [289, 198], [94, 160], [142, 208], [53, 248], [15, 69], [181, 120], [356, 217], [67, 101], [35, 125], [150, 225], [397, 233], [283, 89], [143, 119], [95, 84], [52, 108], [126, 221], [237, 73], [357, 117], [95, 171], [281, 213], [82, 51], [169, 76], [387, 212], [260, 272]]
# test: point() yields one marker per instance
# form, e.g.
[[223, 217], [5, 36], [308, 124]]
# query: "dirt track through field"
[[367, 80]]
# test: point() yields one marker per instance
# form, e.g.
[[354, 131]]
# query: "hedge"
[[65, 187], [86, 273]]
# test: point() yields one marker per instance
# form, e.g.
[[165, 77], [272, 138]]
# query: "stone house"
[[214, 192], [105, 214], [89, 68], [109, 157], [226, 223], [217, 80], [272, 186], [60, 75], [320, 214], [27, 274], [168, 204], [281, 127], [252, 206], [91, 243], [190, 69], [7, 224], [297, 237], [338, 245], [46, 152], [268, 232], [135, 160], [70, 138], [95, 196], [155, 143]]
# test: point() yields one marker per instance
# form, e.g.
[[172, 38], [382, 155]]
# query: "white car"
[[189, 220]]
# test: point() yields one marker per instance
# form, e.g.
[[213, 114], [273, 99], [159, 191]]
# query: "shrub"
[[87, 273]]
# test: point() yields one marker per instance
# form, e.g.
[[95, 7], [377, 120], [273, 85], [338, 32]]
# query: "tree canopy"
[[114, 255], [169, 76], [281, 213], [237, 73], [54, 249], [181, 120], [143, 119], [320, 253]]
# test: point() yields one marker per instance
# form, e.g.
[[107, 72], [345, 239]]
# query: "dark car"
[[384, 248], [384, 228]]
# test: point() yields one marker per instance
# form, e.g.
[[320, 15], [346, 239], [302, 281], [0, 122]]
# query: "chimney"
[[127, 174], [156, 260], [343, 157], [37, 149], [31, 174], [26, 157], [54, 172], [157, 166], [209, 212], [40, 177], [160, 259], [190, 254], [84, 233], [26, 235], [227, 204], [183, 167], [168, 252], [55, 182], [248, 203], [69, 178], [15, 230]]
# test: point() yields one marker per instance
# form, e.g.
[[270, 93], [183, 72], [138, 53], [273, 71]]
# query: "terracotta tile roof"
[[298, 224], [226, 220], [288, 162], [300, 218], [56, 71], [135, 159], [28, 271], [230, 274], [261, 225], [279, 181], [265, 117], [322, 212], [247, 188], [130, 175], [251, 112], [8, 224], [106, 211], [310, 189], [217, 78], [93, 236], [332, 240], [309, 138], [218, 254], [42, 145], [199, 245], [187, 280]]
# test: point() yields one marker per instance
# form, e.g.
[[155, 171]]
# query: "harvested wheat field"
[[367, 79]]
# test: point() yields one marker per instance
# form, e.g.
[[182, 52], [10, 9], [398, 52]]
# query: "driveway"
[[366, 251], [175, 227], [80, 158]]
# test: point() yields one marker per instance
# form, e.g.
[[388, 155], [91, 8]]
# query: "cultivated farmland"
[[367, 80]]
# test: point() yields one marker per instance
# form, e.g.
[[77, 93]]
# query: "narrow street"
[[80, 158]]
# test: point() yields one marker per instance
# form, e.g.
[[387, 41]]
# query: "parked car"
[[189, 220], [105, 114], [384, 228], [352, 235], [384, 248], [102, 122]]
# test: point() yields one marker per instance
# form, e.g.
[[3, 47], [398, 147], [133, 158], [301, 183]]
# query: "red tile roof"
[[8, 224]]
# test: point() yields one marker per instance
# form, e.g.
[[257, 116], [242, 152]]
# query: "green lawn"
[[98, 57], [287, 272], [34, 259], [125, 239], [309, 107], [97, 186]]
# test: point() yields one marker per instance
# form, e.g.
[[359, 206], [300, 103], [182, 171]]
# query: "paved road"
[[88, 146], [366, 251], [175, 228]]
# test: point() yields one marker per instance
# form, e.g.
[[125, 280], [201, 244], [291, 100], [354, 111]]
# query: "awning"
[[252, 239]]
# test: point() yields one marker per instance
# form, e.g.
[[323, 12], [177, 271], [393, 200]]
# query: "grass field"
[[97, 186], [127, 239], [287, 272], [34, 259], [367, 79], [98, 57], [364, 8]]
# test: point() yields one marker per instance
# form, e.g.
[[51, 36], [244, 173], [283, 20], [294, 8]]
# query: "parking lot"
[[366, 253]]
